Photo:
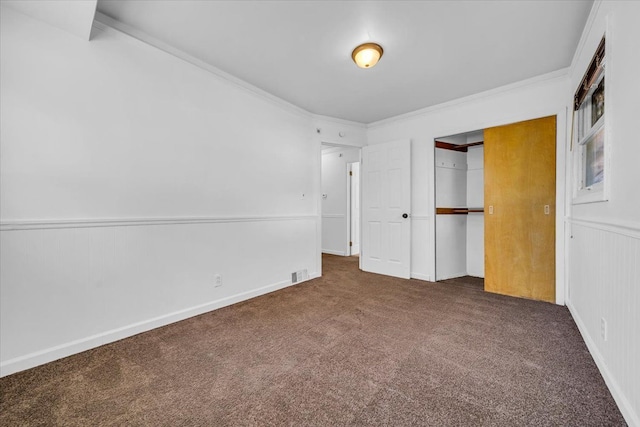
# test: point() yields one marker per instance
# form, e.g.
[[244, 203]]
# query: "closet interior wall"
[[460, 186]]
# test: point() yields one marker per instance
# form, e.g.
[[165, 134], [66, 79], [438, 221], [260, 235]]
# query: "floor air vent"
[[299, 276]]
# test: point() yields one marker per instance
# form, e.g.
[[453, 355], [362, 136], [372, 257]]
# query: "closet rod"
[[458, 211]]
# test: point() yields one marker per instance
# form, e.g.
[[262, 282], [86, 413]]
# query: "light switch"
[[490, 210], [546, 209]]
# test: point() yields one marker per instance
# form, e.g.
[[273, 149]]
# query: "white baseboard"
[[41, 357], [628, 413], [453, 275], [421, 276], [332, 252]]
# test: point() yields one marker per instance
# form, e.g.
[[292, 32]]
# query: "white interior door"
[[386, 203]]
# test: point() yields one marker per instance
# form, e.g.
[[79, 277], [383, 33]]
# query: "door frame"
[[337, 146], [350, 202], [563, 134]]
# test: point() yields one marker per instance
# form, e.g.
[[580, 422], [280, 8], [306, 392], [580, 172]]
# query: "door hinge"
[[350, 173], [350, 243]]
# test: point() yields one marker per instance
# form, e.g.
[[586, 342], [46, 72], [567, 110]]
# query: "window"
[[589, 136]]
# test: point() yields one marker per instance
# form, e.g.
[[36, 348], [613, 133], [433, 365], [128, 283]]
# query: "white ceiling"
[[300, 51], [75, 17]]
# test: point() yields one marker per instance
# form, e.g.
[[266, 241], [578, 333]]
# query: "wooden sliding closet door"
[[519, 197]]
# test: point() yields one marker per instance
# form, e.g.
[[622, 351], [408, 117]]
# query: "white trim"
[[321, 118], [561, 206], [347, 238], [623, 404], [561, 119], [344, 145], [332, 252], [559, 74], [590, 195], [420, 217], [137, 222], [57, 352], [585, 33], [421, 276], [332, 148], [598, 192], [103, 22], [318, 188], [453, 276], [624, 229]]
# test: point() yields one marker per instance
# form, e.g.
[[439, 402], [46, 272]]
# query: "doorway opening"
[[340, 183]]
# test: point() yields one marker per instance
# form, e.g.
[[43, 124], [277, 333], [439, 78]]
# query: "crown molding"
[[585, 34], [319, 117], [554, 75]]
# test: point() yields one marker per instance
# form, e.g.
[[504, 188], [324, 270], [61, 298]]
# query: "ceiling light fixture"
[[367, 55]]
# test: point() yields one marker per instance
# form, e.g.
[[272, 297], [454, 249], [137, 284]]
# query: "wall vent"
[[299, 276]]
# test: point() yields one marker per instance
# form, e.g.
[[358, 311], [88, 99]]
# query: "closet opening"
[[459, 213], [495, 210]]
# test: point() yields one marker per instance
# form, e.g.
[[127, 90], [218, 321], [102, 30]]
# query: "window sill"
[[593, 195]]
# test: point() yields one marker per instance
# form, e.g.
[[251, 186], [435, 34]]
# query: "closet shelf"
[[455, 147], [458, 211]]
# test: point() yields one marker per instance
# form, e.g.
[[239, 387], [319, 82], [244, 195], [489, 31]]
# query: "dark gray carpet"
[[351, 348]]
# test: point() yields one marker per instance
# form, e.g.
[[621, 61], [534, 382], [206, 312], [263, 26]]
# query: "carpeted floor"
[[351, 348]]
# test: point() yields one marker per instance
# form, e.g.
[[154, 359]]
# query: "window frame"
[[586, 132]]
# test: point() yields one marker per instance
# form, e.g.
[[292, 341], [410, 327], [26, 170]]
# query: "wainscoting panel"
[[604, 299], [68, 289]]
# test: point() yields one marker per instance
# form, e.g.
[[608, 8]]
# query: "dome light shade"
[[367, 55]]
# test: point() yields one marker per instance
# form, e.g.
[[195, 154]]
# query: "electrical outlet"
[[217, 281], [603, 329]]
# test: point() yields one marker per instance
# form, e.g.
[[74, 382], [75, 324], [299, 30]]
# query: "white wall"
[[129, 179], [604, 239], [451, 230], [460, 183], [539, 97], [475, 245], [335, 217], [330, 130], [475, 221], [451, 246]]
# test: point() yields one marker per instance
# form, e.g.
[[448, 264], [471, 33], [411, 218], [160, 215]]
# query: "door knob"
[[405, 215]]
